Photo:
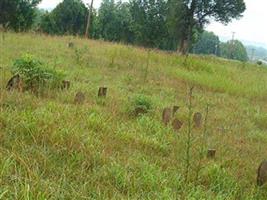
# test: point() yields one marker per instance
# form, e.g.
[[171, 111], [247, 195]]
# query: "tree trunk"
[[87, 30], [186, 40], [183, 46]]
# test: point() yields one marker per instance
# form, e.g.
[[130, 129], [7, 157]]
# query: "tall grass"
[[51, 148]]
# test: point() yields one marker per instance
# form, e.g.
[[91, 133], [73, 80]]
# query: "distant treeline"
[[164, 24]]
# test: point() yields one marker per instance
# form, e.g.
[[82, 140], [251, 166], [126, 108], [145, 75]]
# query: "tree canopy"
[[234, 49], [197, 13], [18, 14], [208, 43], [163, 24], [69, 17]]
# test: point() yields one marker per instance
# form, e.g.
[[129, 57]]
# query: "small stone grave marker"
[[175, 109], [79, 98], [211, 153], [70, 44], [65, 85], [197, 119], [177, 124], [102, 92], [262, 174], [15, 83], [166, 115]]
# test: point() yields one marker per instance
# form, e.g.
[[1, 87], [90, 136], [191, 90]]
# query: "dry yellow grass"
[[51, 148]]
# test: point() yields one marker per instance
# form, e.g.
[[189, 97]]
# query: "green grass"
[[51, 148]]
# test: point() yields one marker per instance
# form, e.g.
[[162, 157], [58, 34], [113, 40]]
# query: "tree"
[[208, 43], [115, 21], [234, 49], [69, 17], [149, 17], [18, 14], [195, 14], [89, 18]]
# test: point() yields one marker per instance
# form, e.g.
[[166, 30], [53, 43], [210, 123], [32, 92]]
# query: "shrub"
[[140, 104], [34, 73], [259, 62]]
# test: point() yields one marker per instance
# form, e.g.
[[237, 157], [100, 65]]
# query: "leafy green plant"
[[35, 74], [78, 55], [140, 104]]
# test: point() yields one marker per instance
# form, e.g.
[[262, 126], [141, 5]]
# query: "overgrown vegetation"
[[163, 24], [140, 104], [52, 148], [35, 74]]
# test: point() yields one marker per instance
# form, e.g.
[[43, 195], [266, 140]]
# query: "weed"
[[189, 135], [34, 74], [78, 55], [140, 104], [52, 149]]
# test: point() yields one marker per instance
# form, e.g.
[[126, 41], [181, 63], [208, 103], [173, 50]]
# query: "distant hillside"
[[256, 53]]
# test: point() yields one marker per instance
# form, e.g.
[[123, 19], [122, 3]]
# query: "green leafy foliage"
[[234, 50], [114, 22], [196, 14], [208, 43], [140, 104], [18, 14], [69, 17], [34, 74]]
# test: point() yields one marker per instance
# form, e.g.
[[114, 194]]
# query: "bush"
[[259, 62], [140, 104], [35, 75]]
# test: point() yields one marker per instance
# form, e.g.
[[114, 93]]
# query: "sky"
[[250, 29]]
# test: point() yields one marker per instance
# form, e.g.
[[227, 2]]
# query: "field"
[[51, 148]]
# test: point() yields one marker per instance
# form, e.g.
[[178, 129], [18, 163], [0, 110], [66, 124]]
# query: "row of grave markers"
[[168, 116], [80, 96]]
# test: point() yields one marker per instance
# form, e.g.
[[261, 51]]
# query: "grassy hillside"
[[51, 148]]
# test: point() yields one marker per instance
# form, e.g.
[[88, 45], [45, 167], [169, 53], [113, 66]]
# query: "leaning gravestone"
[[70, 44], [79, 98], [197, 119], [65, 85], [102, 92], [175, 109], [262, 173], [166, 116], [139, 111], [15, 83], [177, 124]]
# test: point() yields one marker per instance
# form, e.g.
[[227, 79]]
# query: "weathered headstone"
[[175, 109], [15, 83], [139, 111], [102, 92], [211, 153], [197, 119], [70, 44], [65, 85], [166, 116], [79, 98], [262, 173], [177, 124]]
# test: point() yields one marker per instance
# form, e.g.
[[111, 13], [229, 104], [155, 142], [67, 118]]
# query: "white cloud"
[[249, 28]]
